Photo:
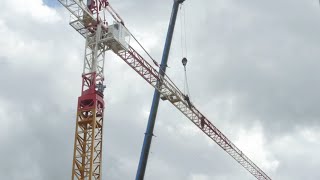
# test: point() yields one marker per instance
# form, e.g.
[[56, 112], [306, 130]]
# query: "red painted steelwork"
[[90, 96]]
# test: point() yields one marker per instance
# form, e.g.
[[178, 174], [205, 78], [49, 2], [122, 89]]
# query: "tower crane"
[[100, 38]]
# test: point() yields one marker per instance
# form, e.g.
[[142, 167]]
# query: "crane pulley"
[[184, 62]]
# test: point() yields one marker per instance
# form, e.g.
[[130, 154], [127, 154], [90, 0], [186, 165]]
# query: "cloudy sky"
[[253, 71]]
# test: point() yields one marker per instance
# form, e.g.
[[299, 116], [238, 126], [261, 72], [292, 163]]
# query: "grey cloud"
[[262, 55], [269, 61]]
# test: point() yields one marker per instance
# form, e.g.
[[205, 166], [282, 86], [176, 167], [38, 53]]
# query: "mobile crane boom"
[[156, 95]]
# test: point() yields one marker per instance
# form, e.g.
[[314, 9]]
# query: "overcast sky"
[[253, 71]]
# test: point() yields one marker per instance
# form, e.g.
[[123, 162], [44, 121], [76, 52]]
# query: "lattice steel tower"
[[85, 18]]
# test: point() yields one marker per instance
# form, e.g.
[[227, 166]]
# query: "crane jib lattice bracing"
[[169, 91]]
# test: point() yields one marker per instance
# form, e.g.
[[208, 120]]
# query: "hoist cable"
[[185, 31], [184, 49], [181, 32], [186, 82]]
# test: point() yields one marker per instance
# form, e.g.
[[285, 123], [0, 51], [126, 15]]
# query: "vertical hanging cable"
[[186, 82], [185, 31], [181, 31], [184, 48]]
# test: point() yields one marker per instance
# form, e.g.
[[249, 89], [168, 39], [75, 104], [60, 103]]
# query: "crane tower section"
[[100, 37]]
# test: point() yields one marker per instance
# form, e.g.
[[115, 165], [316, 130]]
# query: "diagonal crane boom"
[[148, 135], [115, 38]]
